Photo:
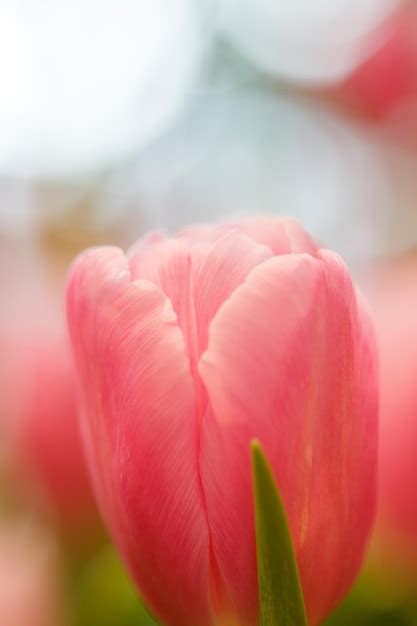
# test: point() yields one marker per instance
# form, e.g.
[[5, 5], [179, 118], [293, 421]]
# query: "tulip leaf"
[[280, 596]]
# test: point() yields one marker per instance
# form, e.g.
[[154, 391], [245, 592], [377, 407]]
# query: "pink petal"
[[198, 279], [300, 239], [140, 432], [144, 244], [281, 234], [284, 358]]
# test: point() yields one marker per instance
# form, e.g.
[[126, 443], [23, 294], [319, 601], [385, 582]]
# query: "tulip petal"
[[282, 235], [281, 367], [197, 279], [144, 243], [140, 432]]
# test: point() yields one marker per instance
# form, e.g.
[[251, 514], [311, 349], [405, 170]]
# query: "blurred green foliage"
[[103, 595], [372, 603], [350, 614]]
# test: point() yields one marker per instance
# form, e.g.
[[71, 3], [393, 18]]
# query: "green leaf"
[[280, 596]]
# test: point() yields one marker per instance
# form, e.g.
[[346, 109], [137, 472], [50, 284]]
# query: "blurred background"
[[120, 117]]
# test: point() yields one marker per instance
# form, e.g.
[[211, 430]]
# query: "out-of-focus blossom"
[[38, 417], [187, 349], [385, 85], [308, 42], [392, 288], [85, 83], [30, 593]]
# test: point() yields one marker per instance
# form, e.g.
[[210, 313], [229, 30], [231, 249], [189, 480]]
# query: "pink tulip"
[[187, 349], [392, 289]]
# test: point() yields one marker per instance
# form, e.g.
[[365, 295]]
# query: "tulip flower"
[[187, 349], [392, 290]]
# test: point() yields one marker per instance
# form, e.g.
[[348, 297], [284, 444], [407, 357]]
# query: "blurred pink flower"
[[187, 349], [30, 593], [38, 407], [392, 289], [387, 80]]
